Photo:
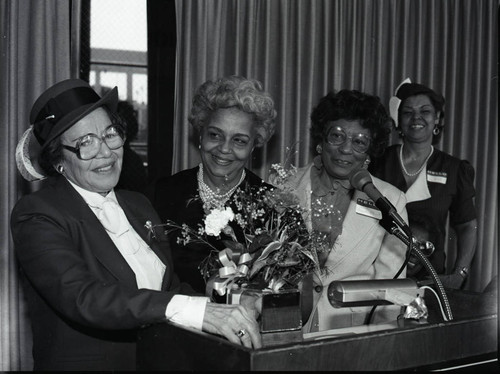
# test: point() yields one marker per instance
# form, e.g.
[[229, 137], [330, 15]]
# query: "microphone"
[[362, 181], [352, 293]]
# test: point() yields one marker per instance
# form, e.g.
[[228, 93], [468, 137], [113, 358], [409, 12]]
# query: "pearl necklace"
[[421, 167], [213, 199]]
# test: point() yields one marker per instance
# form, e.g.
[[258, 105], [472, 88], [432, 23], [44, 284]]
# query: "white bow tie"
[[114, 220], [110, 216]]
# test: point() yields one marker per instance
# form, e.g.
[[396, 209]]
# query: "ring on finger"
[[241, 333]]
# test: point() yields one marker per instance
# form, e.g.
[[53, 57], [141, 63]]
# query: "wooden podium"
[[472, 336]]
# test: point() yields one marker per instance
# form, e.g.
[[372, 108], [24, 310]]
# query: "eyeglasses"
[[337, 136], [88, 146]]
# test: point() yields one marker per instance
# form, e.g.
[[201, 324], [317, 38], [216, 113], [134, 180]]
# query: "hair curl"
[[353, 105], [238, 92], [52, 154]]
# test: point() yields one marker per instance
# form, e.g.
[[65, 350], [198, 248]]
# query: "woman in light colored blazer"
[[348, 128]]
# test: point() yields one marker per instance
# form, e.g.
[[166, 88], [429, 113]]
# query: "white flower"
[[217, 220]]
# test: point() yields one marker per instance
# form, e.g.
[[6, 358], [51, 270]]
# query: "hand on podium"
[[252, 301], [235, 322]]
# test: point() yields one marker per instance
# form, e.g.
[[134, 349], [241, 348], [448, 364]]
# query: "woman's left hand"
[[234, 322], [252, 301]]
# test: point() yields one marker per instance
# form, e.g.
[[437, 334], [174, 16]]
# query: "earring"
[[60, 169], [367, 161], [199, 146], [436, 131], [319, 149]]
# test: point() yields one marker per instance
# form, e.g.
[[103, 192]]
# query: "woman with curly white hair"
[[232, 116]]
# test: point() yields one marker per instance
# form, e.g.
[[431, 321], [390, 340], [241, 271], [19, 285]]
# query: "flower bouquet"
[[266, 251], [273, 254]]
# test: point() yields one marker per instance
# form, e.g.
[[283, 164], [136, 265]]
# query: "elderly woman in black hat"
[[435, 183], [94, 272]]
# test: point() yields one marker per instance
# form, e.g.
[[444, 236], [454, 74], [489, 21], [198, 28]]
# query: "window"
[[118, 57]]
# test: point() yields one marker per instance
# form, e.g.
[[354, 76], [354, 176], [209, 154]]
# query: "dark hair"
[[129, 116], [437, 100], [353, 105], [244, 94], [52, 154]]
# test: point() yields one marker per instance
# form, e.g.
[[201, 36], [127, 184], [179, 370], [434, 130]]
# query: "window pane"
[[140, 88], [111, 79], [118, 24], [118, 57]]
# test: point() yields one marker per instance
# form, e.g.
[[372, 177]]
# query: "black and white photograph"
[[249, 185]]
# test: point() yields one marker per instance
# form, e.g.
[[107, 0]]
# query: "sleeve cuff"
[[187, 310]]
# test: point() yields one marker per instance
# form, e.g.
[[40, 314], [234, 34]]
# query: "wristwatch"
[[464, 272]]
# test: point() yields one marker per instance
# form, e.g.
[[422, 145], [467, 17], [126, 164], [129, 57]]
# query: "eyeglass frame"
[[347, 136], [101, 139]]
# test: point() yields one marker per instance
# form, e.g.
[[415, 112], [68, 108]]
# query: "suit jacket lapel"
[[94, 236], [138, 219], [354, 231], [303, 191]]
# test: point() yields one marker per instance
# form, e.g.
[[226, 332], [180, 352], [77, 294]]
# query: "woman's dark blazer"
[[82, 295], [176, 198]]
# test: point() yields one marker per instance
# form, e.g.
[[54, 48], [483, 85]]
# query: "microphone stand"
[[393, 229], [393, 224]]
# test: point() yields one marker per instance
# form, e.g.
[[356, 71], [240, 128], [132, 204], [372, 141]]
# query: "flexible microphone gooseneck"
[[362, 181]]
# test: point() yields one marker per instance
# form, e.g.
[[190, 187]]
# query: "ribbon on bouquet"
[[234, 266]]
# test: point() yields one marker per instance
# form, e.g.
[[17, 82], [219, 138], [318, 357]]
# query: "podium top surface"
[[472, 333]]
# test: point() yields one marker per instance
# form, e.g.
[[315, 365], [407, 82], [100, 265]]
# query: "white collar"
[[94, 199], [419, 190]]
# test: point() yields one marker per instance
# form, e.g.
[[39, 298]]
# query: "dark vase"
[[281, 317]]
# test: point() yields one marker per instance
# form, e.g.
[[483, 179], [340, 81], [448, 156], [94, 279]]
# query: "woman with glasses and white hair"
[[232, 116], [348, 128], [94, 272]]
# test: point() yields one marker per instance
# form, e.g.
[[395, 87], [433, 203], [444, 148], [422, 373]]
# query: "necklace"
[[213, 199], [421, 167]]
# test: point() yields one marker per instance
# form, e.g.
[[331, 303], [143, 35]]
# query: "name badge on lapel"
[[368, 208], [437, 177]]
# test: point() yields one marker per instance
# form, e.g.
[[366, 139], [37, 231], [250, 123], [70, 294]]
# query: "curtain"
[[301, 49], [34, 53]]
